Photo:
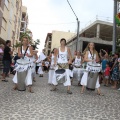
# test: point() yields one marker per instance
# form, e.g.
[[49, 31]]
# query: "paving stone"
[[58, 105]]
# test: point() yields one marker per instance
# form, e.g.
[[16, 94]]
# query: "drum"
[[21, 80], [93, 70], [22, 69], [94, 67], [23, 61], [78, 73], [60, 75]]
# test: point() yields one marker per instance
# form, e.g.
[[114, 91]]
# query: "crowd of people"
[[60, 61]]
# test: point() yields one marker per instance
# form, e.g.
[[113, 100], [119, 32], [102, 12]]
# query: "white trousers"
[[84, 80]]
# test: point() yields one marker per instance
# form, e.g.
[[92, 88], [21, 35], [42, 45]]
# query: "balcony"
[[22, 29], [24, 10], [49, 46]]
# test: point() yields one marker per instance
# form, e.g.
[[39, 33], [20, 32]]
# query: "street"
[[44, 104]]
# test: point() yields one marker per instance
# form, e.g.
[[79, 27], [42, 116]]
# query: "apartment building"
[[53, 40], [24, 20], [98, 32], [10, 17]]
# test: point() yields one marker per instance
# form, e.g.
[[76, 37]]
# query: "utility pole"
[[114, 27], [78, 22]]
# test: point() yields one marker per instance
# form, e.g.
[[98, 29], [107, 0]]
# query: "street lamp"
[[78, 22]]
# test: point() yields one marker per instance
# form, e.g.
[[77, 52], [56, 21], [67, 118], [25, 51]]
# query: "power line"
[[38, 23]]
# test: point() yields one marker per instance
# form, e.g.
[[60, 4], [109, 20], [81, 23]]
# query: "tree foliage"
[[18, 44], [36, 43], [118, 45], [25, 34]]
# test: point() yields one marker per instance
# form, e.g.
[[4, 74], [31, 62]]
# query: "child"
[[106, 74]]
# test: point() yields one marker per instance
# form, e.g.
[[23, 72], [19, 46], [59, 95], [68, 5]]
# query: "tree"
[[25, 34], [18, 44]]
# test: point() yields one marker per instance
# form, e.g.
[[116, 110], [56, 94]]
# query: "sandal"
[[31, 91], [53, 89], [34, 80], [81, 92], [100, 94], [69, 92], [5, 80], [15, 88]]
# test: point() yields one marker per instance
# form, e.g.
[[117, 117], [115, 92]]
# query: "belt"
[[63, 66]]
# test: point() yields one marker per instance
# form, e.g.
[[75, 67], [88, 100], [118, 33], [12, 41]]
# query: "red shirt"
[[107, 71]]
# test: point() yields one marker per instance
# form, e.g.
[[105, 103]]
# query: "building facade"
[[24, 20], [53, 40], [99, 32], [10, 20]]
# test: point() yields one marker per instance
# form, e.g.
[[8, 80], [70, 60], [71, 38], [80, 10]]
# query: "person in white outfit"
[[35, 58], [62, 60], [91, 55], [77, 62], [28, 52], [52, 67], [40, 69], [46, 68]]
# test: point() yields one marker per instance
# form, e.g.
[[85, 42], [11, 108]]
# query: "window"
[[6, 3], [18, 33], [15, 20], [11, 15], [13, 34], [9, 32], [4, 23], [17, 7]]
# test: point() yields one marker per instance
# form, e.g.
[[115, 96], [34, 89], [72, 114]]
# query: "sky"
[[48, 15]]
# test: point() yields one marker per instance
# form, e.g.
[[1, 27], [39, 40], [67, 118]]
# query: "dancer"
[[63, 62], [35, 58], [40, 70], [46, 68], [77, 62], [41, 62], [25, 52], [52, 67], [91, 55]]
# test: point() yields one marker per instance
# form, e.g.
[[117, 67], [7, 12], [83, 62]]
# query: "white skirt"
[[67, 77], [33, 67], [40, 71], [33, 70], [84, 80], [51, 76]]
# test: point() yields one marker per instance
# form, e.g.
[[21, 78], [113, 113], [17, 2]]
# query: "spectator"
[[1, 57], [115, 71], [104, 60], [106, 75], [6, 60]]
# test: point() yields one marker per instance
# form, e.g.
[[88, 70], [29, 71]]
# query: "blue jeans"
[[6, 66]]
